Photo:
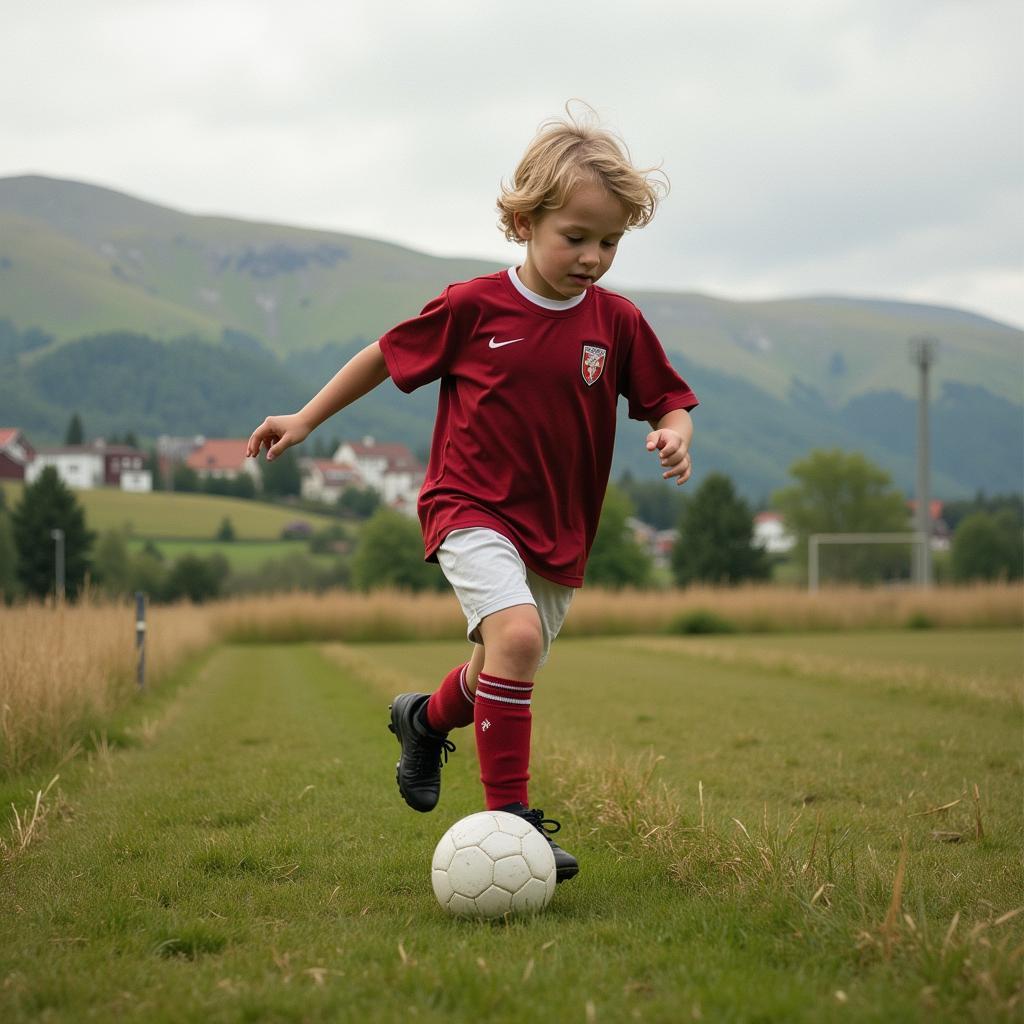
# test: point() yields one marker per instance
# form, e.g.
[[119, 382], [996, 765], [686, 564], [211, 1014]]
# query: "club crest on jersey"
[[594, 357]]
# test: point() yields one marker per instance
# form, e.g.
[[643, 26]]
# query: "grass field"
[[183, 516], [766, 833], [242, 555]]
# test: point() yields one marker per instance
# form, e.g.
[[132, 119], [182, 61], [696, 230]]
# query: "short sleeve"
[[420, 350], [650, 385]]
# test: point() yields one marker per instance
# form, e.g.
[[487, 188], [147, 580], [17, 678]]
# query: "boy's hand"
[[278, 433], [673, 453]]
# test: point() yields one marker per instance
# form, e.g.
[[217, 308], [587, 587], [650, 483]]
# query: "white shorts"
[[488, 575]]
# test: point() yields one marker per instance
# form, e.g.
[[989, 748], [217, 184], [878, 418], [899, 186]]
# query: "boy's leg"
[[512, 650], [451, 705], [421, 722], [514, 647]]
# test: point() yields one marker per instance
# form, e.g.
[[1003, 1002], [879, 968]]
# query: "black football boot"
[[566, 865], [419, 768]]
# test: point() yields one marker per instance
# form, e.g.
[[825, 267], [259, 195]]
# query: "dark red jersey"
[[526, 413]]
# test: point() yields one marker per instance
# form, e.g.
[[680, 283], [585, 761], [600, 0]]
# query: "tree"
[[75, 433], [843, 492], [716, 537], [226, 530], [657, 503], [198, 579], [184, 478], [112, 564], [146, 572], [243, 486], [48, 505], [8, 556], [616, 559], [390, 554], [281, 476], [358, 502], [988, 547], [954, 512]]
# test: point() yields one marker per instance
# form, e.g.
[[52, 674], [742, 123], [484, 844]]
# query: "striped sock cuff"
[[503, 691], [463, 688]]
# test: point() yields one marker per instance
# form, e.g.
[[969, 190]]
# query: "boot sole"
[[564, 874]]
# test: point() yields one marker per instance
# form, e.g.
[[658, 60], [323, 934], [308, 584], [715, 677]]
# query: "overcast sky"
[[815, 146]]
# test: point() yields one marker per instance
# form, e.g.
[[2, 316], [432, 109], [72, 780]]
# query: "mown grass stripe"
[[255, 862]]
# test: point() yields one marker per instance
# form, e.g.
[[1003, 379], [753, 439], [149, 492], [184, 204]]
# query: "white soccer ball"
[[493, 863]]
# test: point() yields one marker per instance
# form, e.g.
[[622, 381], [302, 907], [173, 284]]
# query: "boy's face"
[[570, 248]]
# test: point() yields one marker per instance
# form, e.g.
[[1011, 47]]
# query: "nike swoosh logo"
[[501, 344]]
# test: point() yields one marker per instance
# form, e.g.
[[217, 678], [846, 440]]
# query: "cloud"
[[840, 145]]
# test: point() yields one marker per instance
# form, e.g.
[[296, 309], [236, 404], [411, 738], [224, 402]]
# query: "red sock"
[[451, 704], [503, 720]]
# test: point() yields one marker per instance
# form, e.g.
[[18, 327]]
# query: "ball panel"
[[501, 844], [472, 831], [462, 906], [537, 851], [443, 852], [442, 886], [512, 823], [534, 896], [493, 902], [471, 871], [550, 883], [512, 873]]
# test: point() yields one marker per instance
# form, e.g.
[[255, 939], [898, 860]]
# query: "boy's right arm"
[[361, 374]]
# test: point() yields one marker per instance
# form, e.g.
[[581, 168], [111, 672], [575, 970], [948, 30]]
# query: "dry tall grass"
[[767, 608], [398, 616], [62, 666]]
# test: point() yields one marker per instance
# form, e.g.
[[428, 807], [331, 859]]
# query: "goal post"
[[815, 541]]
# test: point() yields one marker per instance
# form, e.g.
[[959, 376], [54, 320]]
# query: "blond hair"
[[566, 153]]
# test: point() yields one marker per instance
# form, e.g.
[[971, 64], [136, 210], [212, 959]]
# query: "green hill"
[[273, 310], [174, 516]]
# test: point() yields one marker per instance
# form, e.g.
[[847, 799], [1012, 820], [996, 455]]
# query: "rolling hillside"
[[275, 309]]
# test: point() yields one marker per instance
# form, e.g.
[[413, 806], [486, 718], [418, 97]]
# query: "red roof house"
[[15, 453]]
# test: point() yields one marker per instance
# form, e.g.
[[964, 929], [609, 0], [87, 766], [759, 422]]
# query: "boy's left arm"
[[670, 437]]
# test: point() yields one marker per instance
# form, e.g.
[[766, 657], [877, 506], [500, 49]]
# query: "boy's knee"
[[514, 640], [524, 642]]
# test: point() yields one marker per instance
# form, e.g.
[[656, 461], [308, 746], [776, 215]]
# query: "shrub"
[[701, 620]]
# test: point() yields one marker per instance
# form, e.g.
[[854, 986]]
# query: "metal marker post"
[[922, 353], [140, 636]]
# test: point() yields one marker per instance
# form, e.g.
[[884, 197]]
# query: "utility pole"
[[923, 354], [58, 538]]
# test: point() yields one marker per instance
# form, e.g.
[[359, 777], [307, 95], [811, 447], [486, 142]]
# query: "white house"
[[98, 464], [78, 466], [325, 480], [771, 534], [389, 468]]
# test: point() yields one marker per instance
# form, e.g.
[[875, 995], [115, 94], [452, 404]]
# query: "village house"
[[87, 466], [326, 480], [223, 459], [770, 533], [15, 453], [389, 468], [174, 451], [941, 535], [657, 543]]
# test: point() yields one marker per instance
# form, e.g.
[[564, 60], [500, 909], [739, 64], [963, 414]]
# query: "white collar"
[[540, 300]]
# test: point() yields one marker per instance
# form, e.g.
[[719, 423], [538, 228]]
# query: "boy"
[[531, 362]]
